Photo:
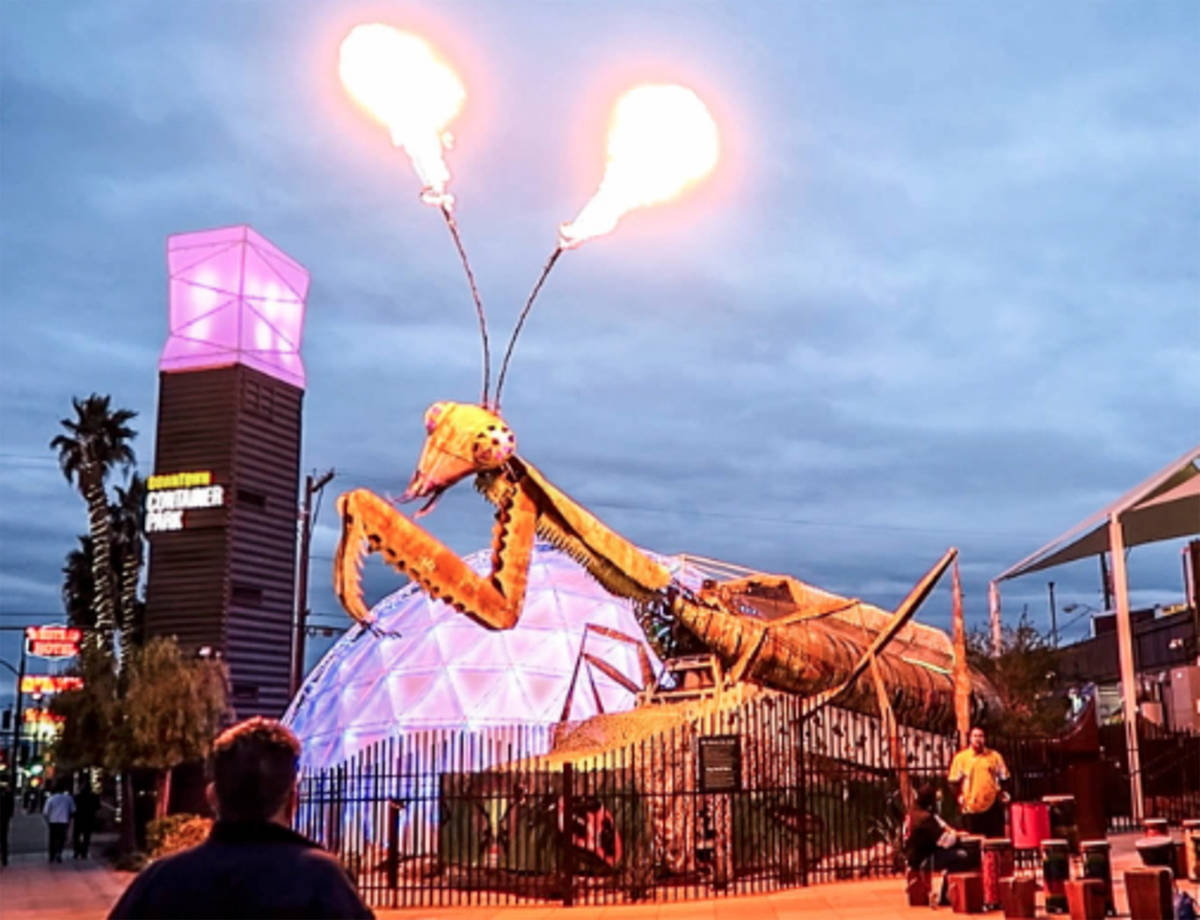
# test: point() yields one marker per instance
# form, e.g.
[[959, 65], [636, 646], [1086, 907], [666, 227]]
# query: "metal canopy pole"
[[1116, 542], [997, 629]]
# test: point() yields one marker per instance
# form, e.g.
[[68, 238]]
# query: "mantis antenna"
[[558, 251], [462, 255]]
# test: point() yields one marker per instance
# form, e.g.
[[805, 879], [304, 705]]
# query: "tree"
[[89, 713], [78, 588], [97, 440], [172, 708], [162, 710], [126, 556], [128, 520], [1025, 675]]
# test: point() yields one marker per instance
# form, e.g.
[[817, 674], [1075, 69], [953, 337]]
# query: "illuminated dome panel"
[[438, 669]]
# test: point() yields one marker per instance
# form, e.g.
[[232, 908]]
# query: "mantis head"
[[462, 439]]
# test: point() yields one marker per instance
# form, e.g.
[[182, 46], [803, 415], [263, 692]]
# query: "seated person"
[[929, 842]]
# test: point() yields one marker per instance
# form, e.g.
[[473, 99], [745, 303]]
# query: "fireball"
[[661, 141], [402, 83]]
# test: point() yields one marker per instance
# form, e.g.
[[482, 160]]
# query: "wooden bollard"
[[917, 887], [1148, 889], [1156, 827], [1191, 844], [1097, 864], [1018, 896], [1085, 898], [966, 892], [1056, 869], [997, 863]]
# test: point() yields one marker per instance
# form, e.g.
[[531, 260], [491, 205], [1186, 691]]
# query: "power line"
[[32, 458], [767, 519], [697, 512]]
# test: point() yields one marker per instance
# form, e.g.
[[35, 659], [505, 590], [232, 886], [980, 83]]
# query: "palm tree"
[[97, 439], [128, 519], [78, 588]]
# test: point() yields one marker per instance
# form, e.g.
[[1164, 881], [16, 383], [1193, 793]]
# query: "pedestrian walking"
[[8, 803], [58, 810], [977, 772], [252, 864], [87, 805]]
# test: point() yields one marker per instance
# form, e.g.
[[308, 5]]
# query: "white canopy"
[[1165, 506]]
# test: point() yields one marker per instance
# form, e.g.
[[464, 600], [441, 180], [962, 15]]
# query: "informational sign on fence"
[[720, 763]]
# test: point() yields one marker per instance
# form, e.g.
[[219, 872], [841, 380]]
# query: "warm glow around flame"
[[662, 139], [402, 83]]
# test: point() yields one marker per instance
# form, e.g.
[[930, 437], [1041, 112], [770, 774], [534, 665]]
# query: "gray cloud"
[[943, 290]]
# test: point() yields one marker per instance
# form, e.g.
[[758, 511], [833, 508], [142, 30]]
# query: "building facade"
[[221, 505]]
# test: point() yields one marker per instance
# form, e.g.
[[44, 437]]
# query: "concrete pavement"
[[27, 833], [30, 887]]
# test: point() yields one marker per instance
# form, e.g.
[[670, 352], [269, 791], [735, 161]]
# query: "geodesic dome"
[[434, 668]]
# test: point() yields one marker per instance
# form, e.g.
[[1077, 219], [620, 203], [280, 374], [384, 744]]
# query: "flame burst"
[[661, 141], [402, 83]]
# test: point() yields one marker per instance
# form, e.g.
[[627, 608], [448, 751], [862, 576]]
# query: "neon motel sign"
[[52, 641], [50, 683], [170, 495], [43, 718]]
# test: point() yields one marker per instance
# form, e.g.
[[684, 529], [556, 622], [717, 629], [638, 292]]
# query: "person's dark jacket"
[[244, 870], [921, 838], [87, 804]]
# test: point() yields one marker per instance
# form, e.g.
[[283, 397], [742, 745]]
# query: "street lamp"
[[1084, 610], [312, 486], [14, 760]]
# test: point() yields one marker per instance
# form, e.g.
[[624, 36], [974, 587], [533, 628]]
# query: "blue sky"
[[943, 288]]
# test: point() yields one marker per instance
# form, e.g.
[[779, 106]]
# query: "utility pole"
[[1053, 617], [1106, 583], [300, 610], [17, 714]]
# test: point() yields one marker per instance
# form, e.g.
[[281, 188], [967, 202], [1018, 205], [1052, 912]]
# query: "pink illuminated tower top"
[[234, 299]]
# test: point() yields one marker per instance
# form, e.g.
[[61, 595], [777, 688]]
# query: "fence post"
[[393, 844], [799, 721], [335, 812], [566, 853]]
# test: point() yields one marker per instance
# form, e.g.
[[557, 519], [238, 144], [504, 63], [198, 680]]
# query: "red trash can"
[[1030, 824]]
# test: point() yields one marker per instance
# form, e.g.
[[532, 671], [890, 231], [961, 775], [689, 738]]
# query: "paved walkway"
[[30, 887], [872, 899]]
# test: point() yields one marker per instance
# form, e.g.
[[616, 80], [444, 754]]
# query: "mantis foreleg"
[[370, 524]]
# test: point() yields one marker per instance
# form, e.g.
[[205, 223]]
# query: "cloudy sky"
[[942, 289]]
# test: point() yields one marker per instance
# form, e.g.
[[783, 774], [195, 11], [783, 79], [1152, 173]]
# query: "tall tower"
[[221, 505]]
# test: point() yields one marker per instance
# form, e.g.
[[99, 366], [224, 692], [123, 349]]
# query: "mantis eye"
[[432, 414], [494, 445]]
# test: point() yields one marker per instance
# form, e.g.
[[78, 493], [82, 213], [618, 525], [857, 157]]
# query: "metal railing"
[[748, 799]]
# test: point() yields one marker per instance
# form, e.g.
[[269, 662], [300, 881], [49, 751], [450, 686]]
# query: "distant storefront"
[[1166, 646]]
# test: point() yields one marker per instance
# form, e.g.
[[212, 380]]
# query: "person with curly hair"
[[252, 864]]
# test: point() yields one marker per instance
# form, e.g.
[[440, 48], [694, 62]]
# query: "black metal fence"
[[727, 800], [1170, 763]]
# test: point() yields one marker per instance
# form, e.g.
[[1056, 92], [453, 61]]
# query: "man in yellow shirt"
[[977, 771]]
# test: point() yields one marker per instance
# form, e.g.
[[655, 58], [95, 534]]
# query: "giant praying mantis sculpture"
[[822, 646], [818, 649]]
